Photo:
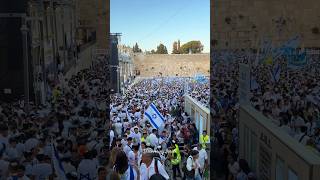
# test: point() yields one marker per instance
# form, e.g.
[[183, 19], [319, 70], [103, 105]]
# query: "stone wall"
[[172, 65], [241, 23], [84, 61]]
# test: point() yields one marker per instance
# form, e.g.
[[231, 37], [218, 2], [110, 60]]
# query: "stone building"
[[56, 33]]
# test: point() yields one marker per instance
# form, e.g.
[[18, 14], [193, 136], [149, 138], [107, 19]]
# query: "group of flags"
[[295, 58]]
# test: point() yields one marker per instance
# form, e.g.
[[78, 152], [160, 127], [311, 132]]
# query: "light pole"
[[24, 30]]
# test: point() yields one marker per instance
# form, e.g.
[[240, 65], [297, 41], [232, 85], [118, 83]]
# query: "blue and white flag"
[[275, 73], [59, 170], [128, 116], [154, 116]]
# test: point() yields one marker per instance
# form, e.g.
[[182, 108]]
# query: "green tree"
[[193, 46], [162, 49], [175, 49], [153, 52], [136, 48]]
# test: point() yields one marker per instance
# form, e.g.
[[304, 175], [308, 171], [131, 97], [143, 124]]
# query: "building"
[[121, 64], [48, 42], [56, 35], [243, 24], [11, 49], [271, 153], [127, 68]]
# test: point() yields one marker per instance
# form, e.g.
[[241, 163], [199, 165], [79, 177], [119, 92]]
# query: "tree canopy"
[[162, 49], [193, 46], [136, 48]]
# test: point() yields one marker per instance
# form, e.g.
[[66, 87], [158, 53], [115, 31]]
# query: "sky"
[[151, 22]]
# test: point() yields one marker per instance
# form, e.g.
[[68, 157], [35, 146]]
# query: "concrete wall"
[[170, 65], [264, 144], [195, 110]]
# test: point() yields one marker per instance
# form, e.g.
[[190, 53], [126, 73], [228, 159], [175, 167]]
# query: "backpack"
[[186, 171]]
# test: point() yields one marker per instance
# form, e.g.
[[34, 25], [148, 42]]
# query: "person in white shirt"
[[111, 136], [31, 143], [203, 158], [286, 128], [192, 164], [118, 127], [302, 137], [87, 168], [151, 166], [4, 139], [4, 165], [136, 135], [126, 171], [128, 147], [134, 155], [43, 169], [297, 121], [12, 151], [233, 167], [18, 172], [153, 139]]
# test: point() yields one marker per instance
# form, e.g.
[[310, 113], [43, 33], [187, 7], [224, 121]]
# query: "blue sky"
[[150, 22]]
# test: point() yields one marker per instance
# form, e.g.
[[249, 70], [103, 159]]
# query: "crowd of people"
[[200, 91], [177, 138], [290, 99], [224, 109], [72, 136], [292, 102]]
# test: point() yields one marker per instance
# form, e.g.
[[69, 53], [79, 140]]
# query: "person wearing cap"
[[204, 139]]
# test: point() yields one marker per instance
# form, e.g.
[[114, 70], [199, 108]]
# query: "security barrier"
[[198, 113]]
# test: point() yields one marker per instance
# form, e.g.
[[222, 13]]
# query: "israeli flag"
[[59, 170], [128, 116], [154, 116], [275, 73]]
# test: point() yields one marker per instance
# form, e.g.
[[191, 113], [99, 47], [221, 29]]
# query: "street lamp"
[[24, 30]]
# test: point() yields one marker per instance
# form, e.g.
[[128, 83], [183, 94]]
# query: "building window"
[[279, 169], [253, 150], [292, 175]]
